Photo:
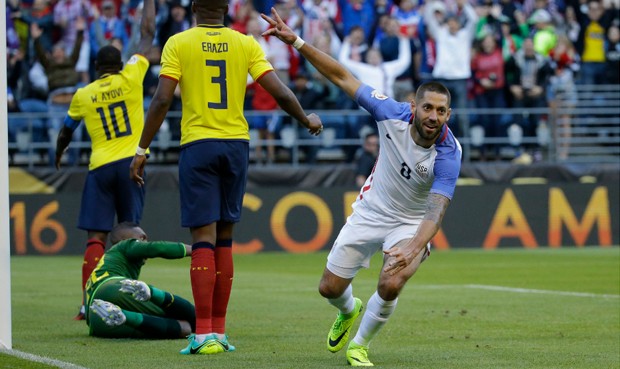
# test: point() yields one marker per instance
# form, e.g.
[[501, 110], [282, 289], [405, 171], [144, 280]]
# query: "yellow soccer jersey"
[[211, 64], [112, 110]]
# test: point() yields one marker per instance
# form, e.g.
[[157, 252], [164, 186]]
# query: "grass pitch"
[[544, 308]]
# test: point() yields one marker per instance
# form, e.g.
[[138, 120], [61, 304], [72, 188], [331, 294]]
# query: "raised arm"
[[147, 27], [80, 25], [400, 65], [325, 64], [431, 22]]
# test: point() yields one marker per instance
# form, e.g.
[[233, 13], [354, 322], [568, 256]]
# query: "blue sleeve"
[[447, 166], [70, 123], [380, 106]]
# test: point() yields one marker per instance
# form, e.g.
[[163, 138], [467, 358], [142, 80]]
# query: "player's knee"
[[389, 289], [328, 290]]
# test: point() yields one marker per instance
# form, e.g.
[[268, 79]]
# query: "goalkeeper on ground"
[[121, 306]]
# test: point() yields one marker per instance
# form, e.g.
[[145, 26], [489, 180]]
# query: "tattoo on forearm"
[[436, 207]]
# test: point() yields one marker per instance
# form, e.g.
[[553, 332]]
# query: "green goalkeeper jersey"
[[126, 258]]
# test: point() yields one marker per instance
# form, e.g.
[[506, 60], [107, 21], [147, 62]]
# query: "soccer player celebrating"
[[121, 306], [113, 112], [210, 63], [400, 206]]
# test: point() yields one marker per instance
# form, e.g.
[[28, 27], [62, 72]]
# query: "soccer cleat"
[[138, 289], [111, 314], [357, 355], [81, 315], [339, 333], [211, 345]]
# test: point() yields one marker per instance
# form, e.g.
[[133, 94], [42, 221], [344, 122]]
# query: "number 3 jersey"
[[211, 64], [113, 112], [405, 173]]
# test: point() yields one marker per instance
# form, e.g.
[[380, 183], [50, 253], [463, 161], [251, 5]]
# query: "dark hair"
[[432, 87], [212, 5], [118, 232], [109, 56]]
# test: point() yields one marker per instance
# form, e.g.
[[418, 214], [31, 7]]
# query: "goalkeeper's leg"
[[173, 306], [136, 325]]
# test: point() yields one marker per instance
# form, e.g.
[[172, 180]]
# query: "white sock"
[[378, 311], [345, 303], [200, 338]]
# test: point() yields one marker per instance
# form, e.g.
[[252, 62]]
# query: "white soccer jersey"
[[405, 173]]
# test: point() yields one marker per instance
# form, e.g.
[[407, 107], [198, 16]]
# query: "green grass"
[[277, 319]]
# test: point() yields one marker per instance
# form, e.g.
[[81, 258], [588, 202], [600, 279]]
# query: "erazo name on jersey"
[[212, 47]]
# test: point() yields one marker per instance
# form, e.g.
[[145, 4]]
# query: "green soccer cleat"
[[211, 345], [111, 314], [357, 355], [138, 289], [339, 333]]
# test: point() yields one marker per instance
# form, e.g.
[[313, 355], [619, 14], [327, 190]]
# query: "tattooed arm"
[[436, 207]]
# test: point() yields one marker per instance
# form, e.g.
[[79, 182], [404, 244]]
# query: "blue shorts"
[[109, 191], [212, 178]]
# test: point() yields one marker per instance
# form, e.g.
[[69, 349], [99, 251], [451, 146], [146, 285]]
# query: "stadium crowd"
[[489, 53]]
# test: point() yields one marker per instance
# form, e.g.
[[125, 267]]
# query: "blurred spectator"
[[561, 92], [177, 21], [510, 9], [309, 100], [612, 53], [357, 13], [375, 72], [488, 71], [358, 44], [591, 42], [428, 49], [12, 39], [318, 17], [368, 158], [571, 26], [488, 21], [284, 58], [408, 17], [388, 45], [528, 73], [41, 14], [544, 35], [240, 13], [105, 27], [68, 16], [63, 79], [452, 67], [512, 36], [553, 7], [60, 68]]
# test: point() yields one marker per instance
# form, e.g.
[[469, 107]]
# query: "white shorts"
[[362, 236]]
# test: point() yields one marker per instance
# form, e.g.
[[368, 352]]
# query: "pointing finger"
[[276, 15], [267, 19]]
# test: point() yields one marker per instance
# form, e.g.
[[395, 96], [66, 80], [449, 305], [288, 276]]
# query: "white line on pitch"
[[546, 292], [41, 359]]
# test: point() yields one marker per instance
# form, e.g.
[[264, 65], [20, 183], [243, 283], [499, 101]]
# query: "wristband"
[[298, 43], [140, 151]]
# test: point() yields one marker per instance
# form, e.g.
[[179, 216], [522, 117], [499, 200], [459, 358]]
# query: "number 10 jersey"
[[113, 112]]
